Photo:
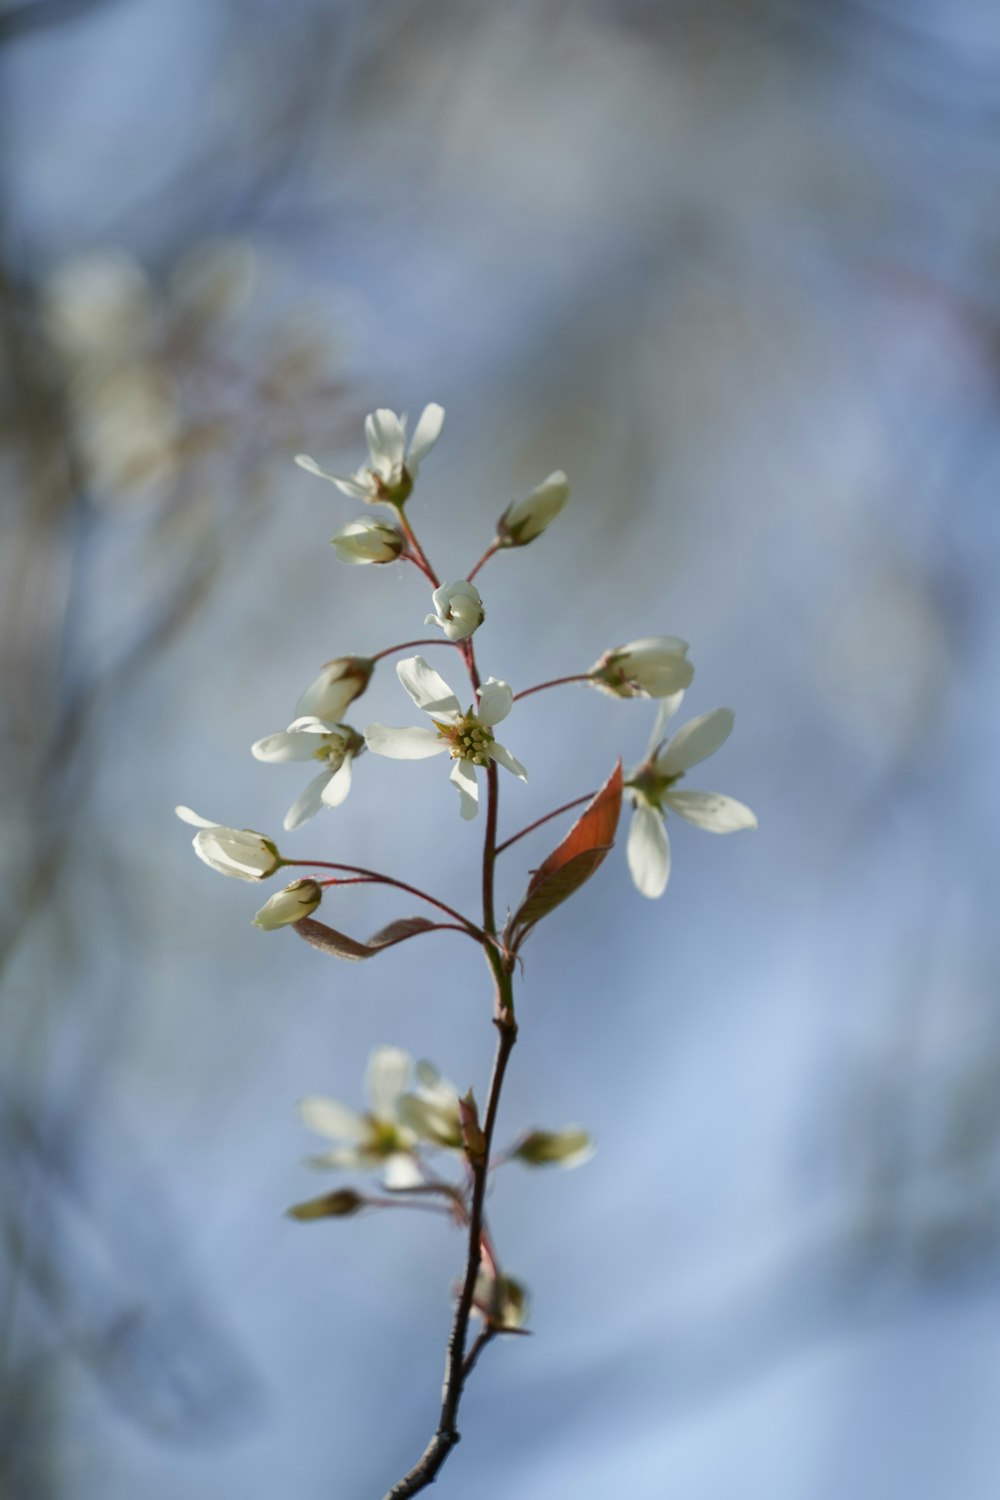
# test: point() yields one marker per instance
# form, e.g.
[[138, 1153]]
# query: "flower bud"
[[459, 610], [341, 1204], [473, 1139], [501, 1301], [239, 852], [525, 519], [368, 542], [569, 1147], [650, 668], [300, 899], [340, 682]]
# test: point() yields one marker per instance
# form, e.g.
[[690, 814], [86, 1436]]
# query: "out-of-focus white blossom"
[[309, 738], [458, 610], [392, 468], [378, 1139], [525, 519], [239, 852], [329, 695], [298, 900], [467, 737], [651, 668], [362, 542], [432, 1110], [97, 307], [653, 789]]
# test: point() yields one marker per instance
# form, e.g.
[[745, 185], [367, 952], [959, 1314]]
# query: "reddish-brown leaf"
[[573, 862], [341, 946]]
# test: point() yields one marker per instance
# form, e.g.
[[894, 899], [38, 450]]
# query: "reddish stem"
[[491, 549], [406, 645], [401, 885], [419, 555], [555, 682], [587, 797]]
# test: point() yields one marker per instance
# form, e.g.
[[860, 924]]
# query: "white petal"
[[668, 707], [463, 774], [187, 816], [331, 1118], [504, 758], [412, 743], [361, 488], [711, 811], [309, 804], [428, 691], [648, 851], [339, 784], [290, 744], [695, 740], [349, 486], [386, 1079], [401, 1171], [386, 436], [343, 1158], [496, 699], [425, 435]]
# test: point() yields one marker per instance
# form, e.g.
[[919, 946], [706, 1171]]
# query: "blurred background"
[[733, 264]]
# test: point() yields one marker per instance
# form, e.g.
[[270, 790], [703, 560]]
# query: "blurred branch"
[[35, 15]]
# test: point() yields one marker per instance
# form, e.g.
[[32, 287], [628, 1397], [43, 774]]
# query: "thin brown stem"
[[555, 682], [407, 645], [400, 885], [491, 549], [457, 1365], [419, 555], [566, 807]]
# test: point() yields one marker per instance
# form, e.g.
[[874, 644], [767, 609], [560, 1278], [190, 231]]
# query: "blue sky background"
[[733, 267]]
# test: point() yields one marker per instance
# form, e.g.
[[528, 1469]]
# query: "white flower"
[[468, 737], [653, 789], [376, 1139], [340, 682], [432, 1111], [309, 738], [361, 542], [650, 668], [525, 519], [239, 852], [458, 610], [392, 469], [298, 900]]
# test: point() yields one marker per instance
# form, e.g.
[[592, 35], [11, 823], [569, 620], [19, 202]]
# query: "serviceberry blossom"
[[239, 852], [308, 738], [392, 469], [329, 695], [362, 542], [298, 900], [525, 519], [650, 668], [432, 1109], [467, 737], [654, 791], [378, 1139], [458, 610]]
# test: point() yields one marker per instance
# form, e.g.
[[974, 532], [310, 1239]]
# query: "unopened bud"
[[473, 1138], [525, 519], [340, 682], [363, 542], [239, 852], [501, 1301], [570, 1147], [650, 668], [341, 1204], [298, 900], [458, 609]]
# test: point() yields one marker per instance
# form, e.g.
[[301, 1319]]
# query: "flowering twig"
[[412, 1110]]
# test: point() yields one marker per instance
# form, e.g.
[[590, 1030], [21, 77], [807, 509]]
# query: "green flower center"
[[651, 786], [467, 740]]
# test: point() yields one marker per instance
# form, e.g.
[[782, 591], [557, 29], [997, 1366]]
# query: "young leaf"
[[570, 865], [339, 945]]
